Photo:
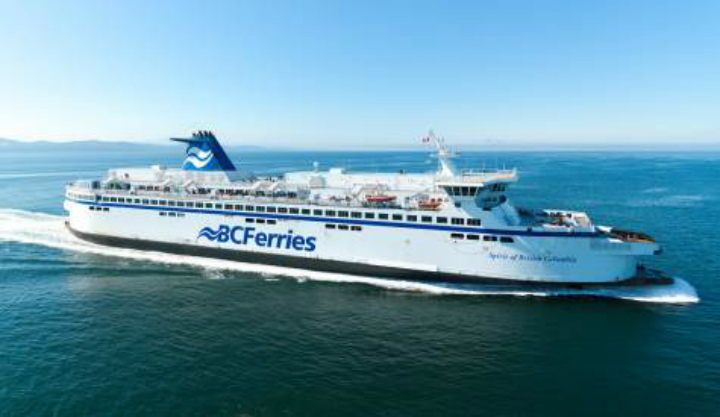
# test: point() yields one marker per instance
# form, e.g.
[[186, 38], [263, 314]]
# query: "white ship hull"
[[389, 249]]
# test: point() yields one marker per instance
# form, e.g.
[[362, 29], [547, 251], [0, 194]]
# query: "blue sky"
[[362, 73]]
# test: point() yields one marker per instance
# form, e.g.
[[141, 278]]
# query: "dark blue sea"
[[86, 330]]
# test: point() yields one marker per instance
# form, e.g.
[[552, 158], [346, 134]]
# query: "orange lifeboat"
[[379, 198], [431, 204]]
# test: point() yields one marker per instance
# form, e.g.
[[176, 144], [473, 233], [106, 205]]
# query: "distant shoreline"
[[127, 146]]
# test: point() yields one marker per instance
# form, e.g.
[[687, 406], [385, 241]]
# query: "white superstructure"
[[448, 224]]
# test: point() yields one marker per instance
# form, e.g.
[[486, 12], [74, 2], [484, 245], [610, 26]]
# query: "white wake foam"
[[49, 230]]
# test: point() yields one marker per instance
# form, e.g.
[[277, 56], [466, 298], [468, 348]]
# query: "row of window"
[[485, 238], [171, 214], [456, 221], [343, 227]]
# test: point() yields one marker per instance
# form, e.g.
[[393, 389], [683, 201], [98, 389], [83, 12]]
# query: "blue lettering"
[[298, 242], [310, 244], [223, 234], [249, 233], [261, 239], [240, 235], [233, 235]]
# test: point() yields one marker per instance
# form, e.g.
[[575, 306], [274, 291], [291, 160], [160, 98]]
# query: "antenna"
[[443, 153]]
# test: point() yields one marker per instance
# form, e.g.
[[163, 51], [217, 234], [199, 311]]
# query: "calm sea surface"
[[92, 331]]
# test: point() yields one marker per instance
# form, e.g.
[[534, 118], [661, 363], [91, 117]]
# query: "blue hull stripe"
[[458, 229]]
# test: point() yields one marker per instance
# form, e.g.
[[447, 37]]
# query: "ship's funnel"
[[204, 153]]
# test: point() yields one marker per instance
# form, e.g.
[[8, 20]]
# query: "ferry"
[[448, 225]]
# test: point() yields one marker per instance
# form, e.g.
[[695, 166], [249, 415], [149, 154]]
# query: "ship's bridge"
[[484, 189]]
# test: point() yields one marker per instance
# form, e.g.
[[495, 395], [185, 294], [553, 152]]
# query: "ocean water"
[[87, 330]]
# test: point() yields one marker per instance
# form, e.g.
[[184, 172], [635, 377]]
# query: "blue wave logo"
[[198, 158], [212, 235]]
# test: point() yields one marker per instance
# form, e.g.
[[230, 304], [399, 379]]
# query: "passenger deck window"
[[343, 214], [458, 221], [317, 212], [305, 211], [457, 236], [426, 219], [329, 226], [487, 238], [369, 215], [383, 216], [473, 222], [472, 237], [397, 217], [294, 211], [330, 213], [282, 210], [272, 209], [442, 220], [356, 215], [506, 239], [412, 218]]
